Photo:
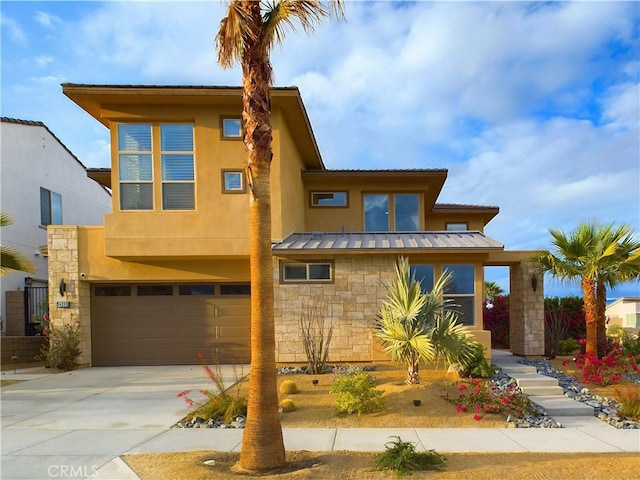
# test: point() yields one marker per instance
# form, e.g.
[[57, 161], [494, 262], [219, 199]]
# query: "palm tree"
[[11, 260], [597, 255], [417, 327], [246, 36], [620, 262], [492, 290]]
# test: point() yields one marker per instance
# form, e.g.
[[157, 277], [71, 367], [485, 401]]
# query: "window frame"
[[51, 218], [243, 182], [453, 295], [447, 226], [223, 135], [307, 264], [391, 210], [325, 192], [121, 182], [163, 154]]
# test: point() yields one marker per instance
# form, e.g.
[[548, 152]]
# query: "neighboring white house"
[[625, 312], [42, 183]]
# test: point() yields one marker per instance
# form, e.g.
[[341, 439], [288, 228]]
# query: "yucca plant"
[[416, 327]]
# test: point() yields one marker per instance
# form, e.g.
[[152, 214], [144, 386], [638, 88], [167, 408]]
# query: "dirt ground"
[[359, 466]]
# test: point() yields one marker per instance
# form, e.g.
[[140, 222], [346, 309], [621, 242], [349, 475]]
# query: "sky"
[[533, 107]]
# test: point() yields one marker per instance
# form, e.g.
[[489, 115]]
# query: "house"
[[43, 183], [624, 311], [167, 276]]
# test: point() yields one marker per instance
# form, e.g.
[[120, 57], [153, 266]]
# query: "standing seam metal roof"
[[323, 241]]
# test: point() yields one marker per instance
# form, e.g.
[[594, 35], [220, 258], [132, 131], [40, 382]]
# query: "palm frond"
[[230, 40], [11, 260], [451, 339]]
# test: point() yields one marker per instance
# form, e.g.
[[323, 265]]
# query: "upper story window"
[[385, 212], [139, 156], [233, 181], [329, 199], [231, 127], [456, 226], [178, 189], [50, 207]]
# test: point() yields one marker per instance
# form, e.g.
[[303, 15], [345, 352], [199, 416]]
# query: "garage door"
[[169, 324]]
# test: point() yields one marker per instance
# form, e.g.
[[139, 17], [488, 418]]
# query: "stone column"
[[526, 310], [63, 266]]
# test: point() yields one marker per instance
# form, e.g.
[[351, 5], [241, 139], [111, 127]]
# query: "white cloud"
[[44, 60], [15, 32], [46, 19]]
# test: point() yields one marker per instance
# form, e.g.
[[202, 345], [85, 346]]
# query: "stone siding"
[[15, 312], [350, 304], [63, 265], [27, 349], [526, 311]]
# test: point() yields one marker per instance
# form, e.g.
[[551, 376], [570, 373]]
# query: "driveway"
[[68, 425]]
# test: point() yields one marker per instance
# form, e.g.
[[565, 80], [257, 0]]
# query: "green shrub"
[[630, 343], [477, 365], [357, 394], [568, 346], [222, 407], [64, 346], [288, 387], [287, 405], [401, 458]]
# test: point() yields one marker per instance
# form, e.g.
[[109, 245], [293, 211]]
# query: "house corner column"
[[526, 310], [62, 241]]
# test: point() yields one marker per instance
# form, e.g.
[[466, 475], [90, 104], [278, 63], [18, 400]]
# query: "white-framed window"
[[384, 212], [461, 291], [178, 176], [233, 181], [50, 207], [303, 272], [329, 199], [456, 226], [231, 127], [135, 166]]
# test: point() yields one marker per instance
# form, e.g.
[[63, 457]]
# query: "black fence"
[[36, 306]]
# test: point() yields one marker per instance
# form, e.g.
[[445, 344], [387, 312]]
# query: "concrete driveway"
[[68, 425]]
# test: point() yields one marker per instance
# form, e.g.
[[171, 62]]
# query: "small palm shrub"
[[477, 365], [357, 394], [629, 401], [401, 458], [288, 387], [64, 346], [222, 407], [287, 405]]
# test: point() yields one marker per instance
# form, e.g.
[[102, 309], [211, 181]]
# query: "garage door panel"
[[166, 330]]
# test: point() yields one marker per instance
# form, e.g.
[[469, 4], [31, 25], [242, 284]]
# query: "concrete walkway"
[[77, 424]]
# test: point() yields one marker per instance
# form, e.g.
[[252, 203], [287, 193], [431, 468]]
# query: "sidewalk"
[[84, 420]]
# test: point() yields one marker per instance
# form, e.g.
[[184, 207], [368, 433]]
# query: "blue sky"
[[532, 106]]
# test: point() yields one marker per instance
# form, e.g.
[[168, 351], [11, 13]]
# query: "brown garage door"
[[169, 324]]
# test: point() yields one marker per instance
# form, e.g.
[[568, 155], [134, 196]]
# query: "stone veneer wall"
[[526, 311], [352, 303], [63, 265], [14, 314]]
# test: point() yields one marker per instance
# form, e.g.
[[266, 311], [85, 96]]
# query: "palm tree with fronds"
[[11, 260], [416, 327], [595, 255], [492, 290], [246, 36], [620, 263]]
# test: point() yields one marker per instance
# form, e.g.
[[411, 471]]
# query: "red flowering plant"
[[222, 405], [482, 397], [608, 369]]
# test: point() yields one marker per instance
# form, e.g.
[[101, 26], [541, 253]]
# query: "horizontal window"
[[385, 212], [233, 181], [456, 227], [329, 199], [154, 290], [112, 291], [307, 272], [235, 289], [231, 127], [195, 290]]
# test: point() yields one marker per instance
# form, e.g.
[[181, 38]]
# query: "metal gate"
[[36, 305]]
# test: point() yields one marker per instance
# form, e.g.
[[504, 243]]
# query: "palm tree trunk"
[[590, 314], [262, 442], [601, 300], [413, 376]]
